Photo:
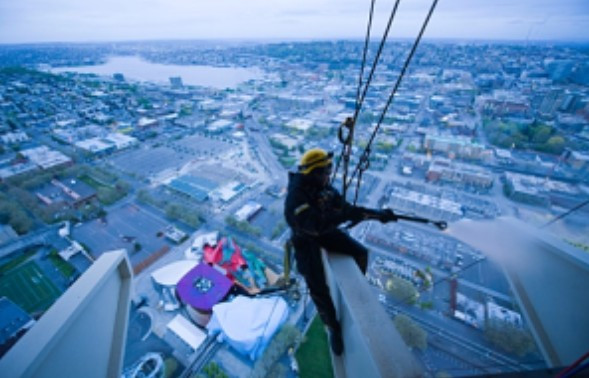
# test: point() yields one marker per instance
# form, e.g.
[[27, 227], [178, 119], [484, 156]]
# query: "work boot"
[[336, 341]]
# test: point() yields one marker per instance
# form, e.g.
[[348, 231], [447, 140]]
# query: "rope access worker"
[[314, 210]]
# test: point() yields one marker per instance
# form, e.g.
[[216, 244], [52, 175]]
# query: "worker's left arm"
[[358, 214]]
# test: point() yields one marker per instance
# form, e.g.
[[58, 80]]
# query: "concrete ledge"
[[372, 345], [83, 334], [548, 277]]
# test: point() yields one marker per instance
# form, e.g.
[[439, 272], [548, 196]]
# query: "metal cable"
[[360, 77], [365, 154], [565, 214], [377, 58], [365, 52], [347, 147]]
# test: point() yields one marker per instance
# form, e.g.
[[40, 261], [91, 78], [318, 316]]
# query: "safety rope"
[[364, 53], [350, 123], [363, 163]]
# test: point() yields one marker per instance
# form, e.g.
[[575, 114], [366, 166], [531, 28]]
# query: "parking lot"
[[147, 162], [201, 146], [271, 215], [124, 227]]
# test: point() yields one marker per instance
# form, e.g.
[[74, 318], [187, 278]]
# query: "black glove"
[[386, 215], [357, 214]]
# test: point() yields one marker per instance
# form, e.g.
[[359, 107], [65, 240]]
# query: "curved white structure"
[[170, 274]]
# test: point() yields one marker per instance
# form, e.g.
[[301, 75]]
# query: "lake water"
[[136, 68]]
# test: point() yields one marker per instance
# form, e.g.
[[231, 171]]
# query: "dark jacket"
[[312, 212]]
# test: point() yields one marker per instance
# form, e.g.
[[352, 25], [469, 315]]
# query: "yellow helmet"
[[314, 158]]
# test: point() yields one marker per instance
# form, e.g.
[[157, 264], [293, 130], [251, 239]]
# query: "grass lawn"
[[106, 195], [313, 355], [63, 266], [29, 288], [17, 261]]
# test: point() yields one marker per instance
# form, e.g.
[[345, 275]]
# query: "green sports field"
[[313, 355], [28, 287]]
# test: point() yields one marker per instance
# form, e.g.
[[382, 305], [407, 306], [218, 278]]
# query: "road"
[[262, 148], [206, 353], [478, 355], [32, 238]]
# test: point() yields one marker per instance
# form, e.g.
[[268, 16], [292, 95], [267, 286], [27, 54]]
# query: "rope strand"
[[366, 152], [347, 144]]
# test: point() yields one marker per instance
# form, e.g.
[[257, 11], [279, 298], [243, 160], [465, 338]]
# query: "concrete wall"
[[372, 345], [83, 334], [548, 277]]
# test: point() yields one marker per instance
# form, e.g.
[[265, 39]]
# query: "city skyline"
[[32, 21], [148, 150]]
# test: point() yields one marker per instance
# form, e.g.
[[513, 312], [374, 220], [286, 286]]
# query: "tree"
[[20, 222], [122, 186], [401, 289], [555, 144], [243, 226], [106, 195], [189, 216], [285, 338], [173, 211], [37, 180], [510, 338], [212, 370], [278, 229], [143, 196], [11, 213], [541, 133], [413, 335], [584, 247], [427, 305], [384, 147], [170, 367], [185, 110]]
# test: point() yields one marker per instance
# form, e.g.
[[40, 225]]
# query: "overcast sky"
[[113, 20]]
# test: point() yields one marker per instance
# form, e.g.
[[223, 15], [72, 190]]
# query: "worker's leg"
[[340, 242], [310, 266]]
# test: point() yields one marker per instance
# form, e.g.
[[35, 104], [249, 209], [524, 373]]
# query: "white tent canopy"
[[170, 274], [248, 324]]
